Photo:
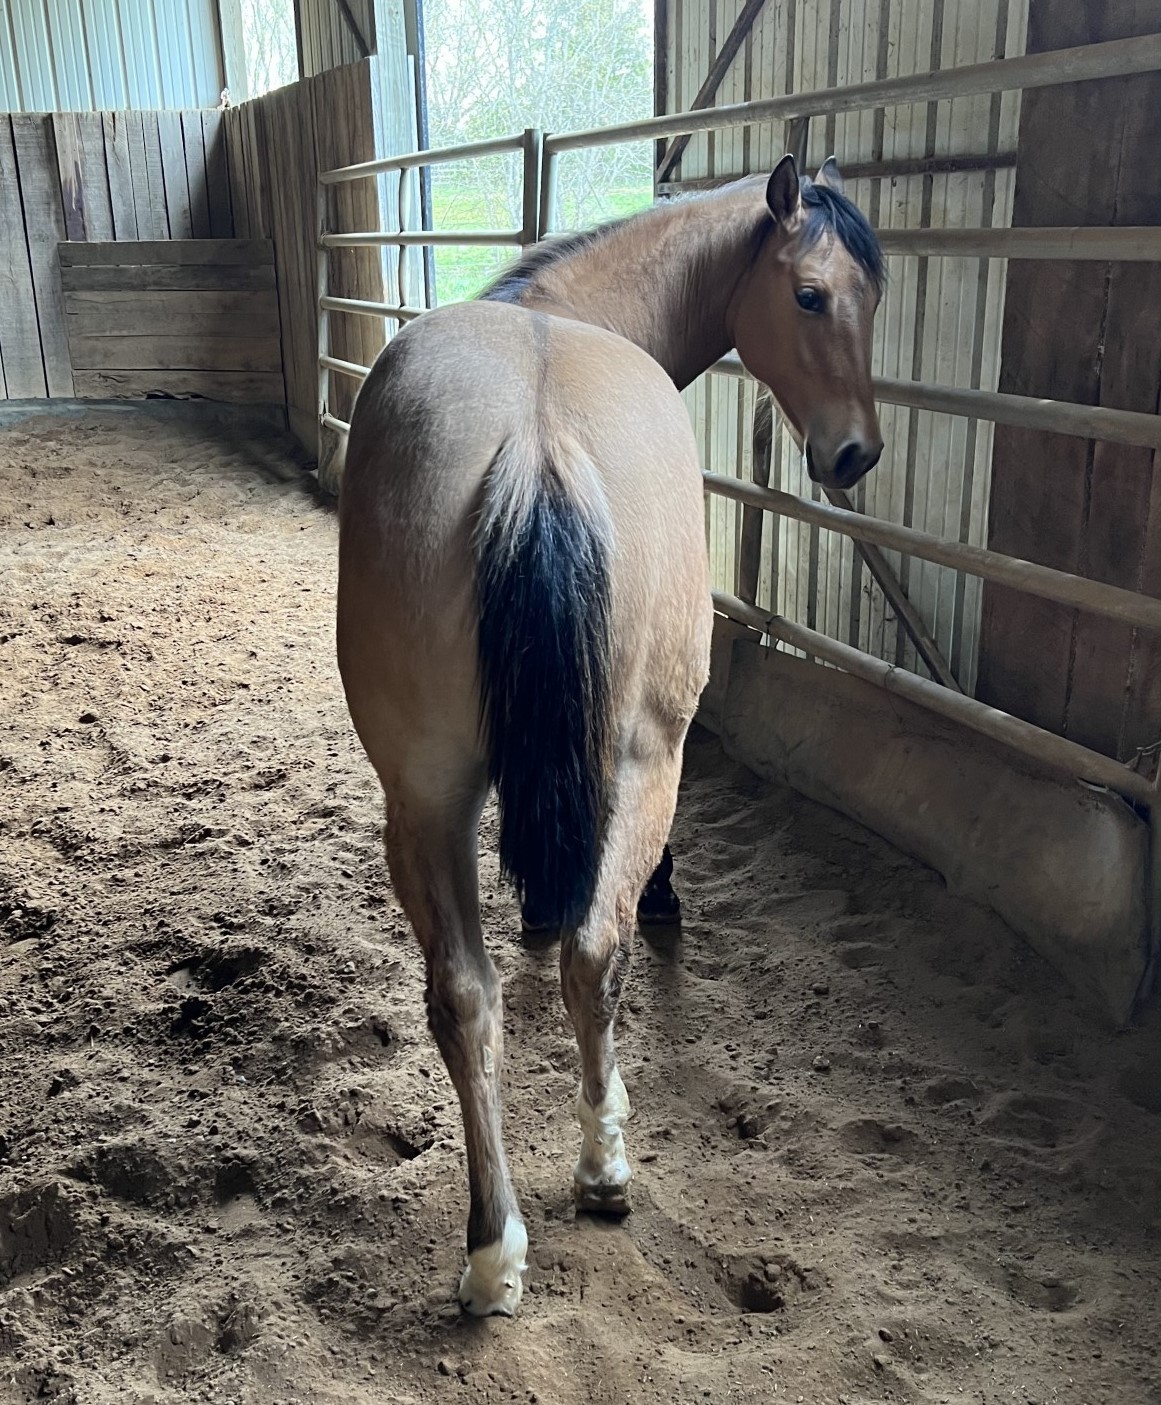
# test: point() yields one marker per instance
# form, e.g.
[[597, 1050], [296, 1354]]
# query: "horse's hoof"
[[531, 928], [608, 1200], [493, 1280]]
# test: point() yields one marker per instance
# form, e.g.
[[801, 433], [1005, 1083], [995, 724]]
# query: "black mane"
[[830, 212], [514, 282]]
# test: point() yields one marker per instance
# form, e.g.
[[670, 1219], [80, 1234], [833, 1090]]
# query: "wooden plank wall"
[[276, 146], [1091, 333], [177, 317], [332, 34], [940, 320], [93, 176]]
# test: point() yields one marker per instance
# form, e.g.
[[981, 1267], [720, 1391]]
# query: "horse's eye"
[[810, 300]]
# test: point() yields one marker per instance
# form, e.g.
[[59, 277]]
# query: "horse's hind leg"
[[593, 959], [431, 853]]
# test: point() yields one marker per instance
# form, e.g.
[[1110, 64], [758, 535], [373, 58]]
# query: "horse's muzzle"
[[854, 460]]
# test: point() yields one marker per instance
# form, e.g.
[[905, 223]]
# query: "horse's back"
[[444, 398]]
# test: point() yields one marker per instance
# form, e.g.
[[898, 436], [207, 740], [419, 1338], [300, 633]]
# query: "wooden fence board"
[[84, 177], [344, 134], [149, 184], [44, 214], [245, 387], [258, 171], [170, 251], [243, 315], [195, 170], [232, 130], [288, 123], [134, 125], [217, 176], [19, 333], [116, 134], [1076, 331], [177, 353], [177, 202], [85, 210], [166, 277]]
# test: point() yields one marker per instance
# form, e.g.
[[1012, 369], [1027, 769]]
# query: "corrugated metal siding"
[[940, 321], [102, 55]]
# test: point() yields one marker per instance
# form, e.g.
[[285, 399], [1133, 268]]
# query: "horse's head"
[[802, 320]]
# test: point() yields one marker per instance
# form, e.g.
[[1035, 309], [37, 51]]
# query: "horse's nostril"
[[854, 461]]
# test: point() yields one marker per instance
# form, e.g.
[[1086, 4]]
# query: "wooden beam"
[[44, 216], [713, 80], [191, 251], [198, 313], [238, 387], [19, 331], [750, 538], [179, 352], [166, 278], [660, 70], [355, 27]]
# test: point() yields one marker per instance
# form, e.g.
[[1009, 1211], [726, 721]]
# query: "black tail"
[[544, 601]]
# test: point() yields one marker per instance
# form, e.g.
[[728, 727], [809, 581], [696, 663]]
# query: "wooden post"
[[533, 165], [750, 542], [1089, 333]]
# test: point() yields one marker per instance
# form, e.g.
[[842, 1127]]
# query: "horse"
[[523, 602]]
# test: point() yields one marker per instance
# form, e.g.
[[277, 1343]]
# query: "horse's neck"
[[664, 280]]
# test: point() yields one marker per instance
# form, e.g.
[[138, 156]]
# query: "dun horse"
[[523, 600]]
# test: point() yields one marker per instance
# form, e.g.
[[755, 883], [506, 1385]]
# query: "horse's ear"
[[782, 189], [829, 174]]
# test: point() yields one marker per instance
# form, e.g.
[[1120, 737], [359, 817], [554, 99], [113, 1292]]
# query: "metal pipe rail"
[[527, 144], [1115, 58], [362, 308], [1127, 244], [411, 238], [1077, 592], [345, 368], [1020, 411], [1047, 747], [432, 156]]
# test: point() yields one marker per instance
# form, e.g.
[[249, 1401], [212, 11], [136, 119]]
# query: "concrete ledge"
[[1064, 864]]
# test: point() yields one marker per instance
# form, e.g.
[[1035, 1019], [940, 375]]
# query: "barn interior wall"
[[1090, 333], [277, 146], [64, 56], [921, 165], [332, 33], [93, 177]]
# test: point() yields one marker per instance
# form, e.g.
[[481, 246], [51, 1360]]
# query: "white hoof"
[[493, 1281], [601, 1175]]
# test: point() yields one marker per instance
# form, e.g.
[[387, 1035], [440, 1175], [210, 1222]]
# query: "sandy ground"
[[880, 1154]]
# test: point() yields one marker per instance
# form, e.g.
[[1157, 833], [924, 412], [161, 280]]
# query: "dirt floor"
[[881, 1156]]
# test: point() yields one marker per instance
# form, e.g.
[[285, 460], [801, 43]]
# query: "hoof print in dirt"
[[20, 920], [768, 1283], [40, 1225], [232, 970]]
